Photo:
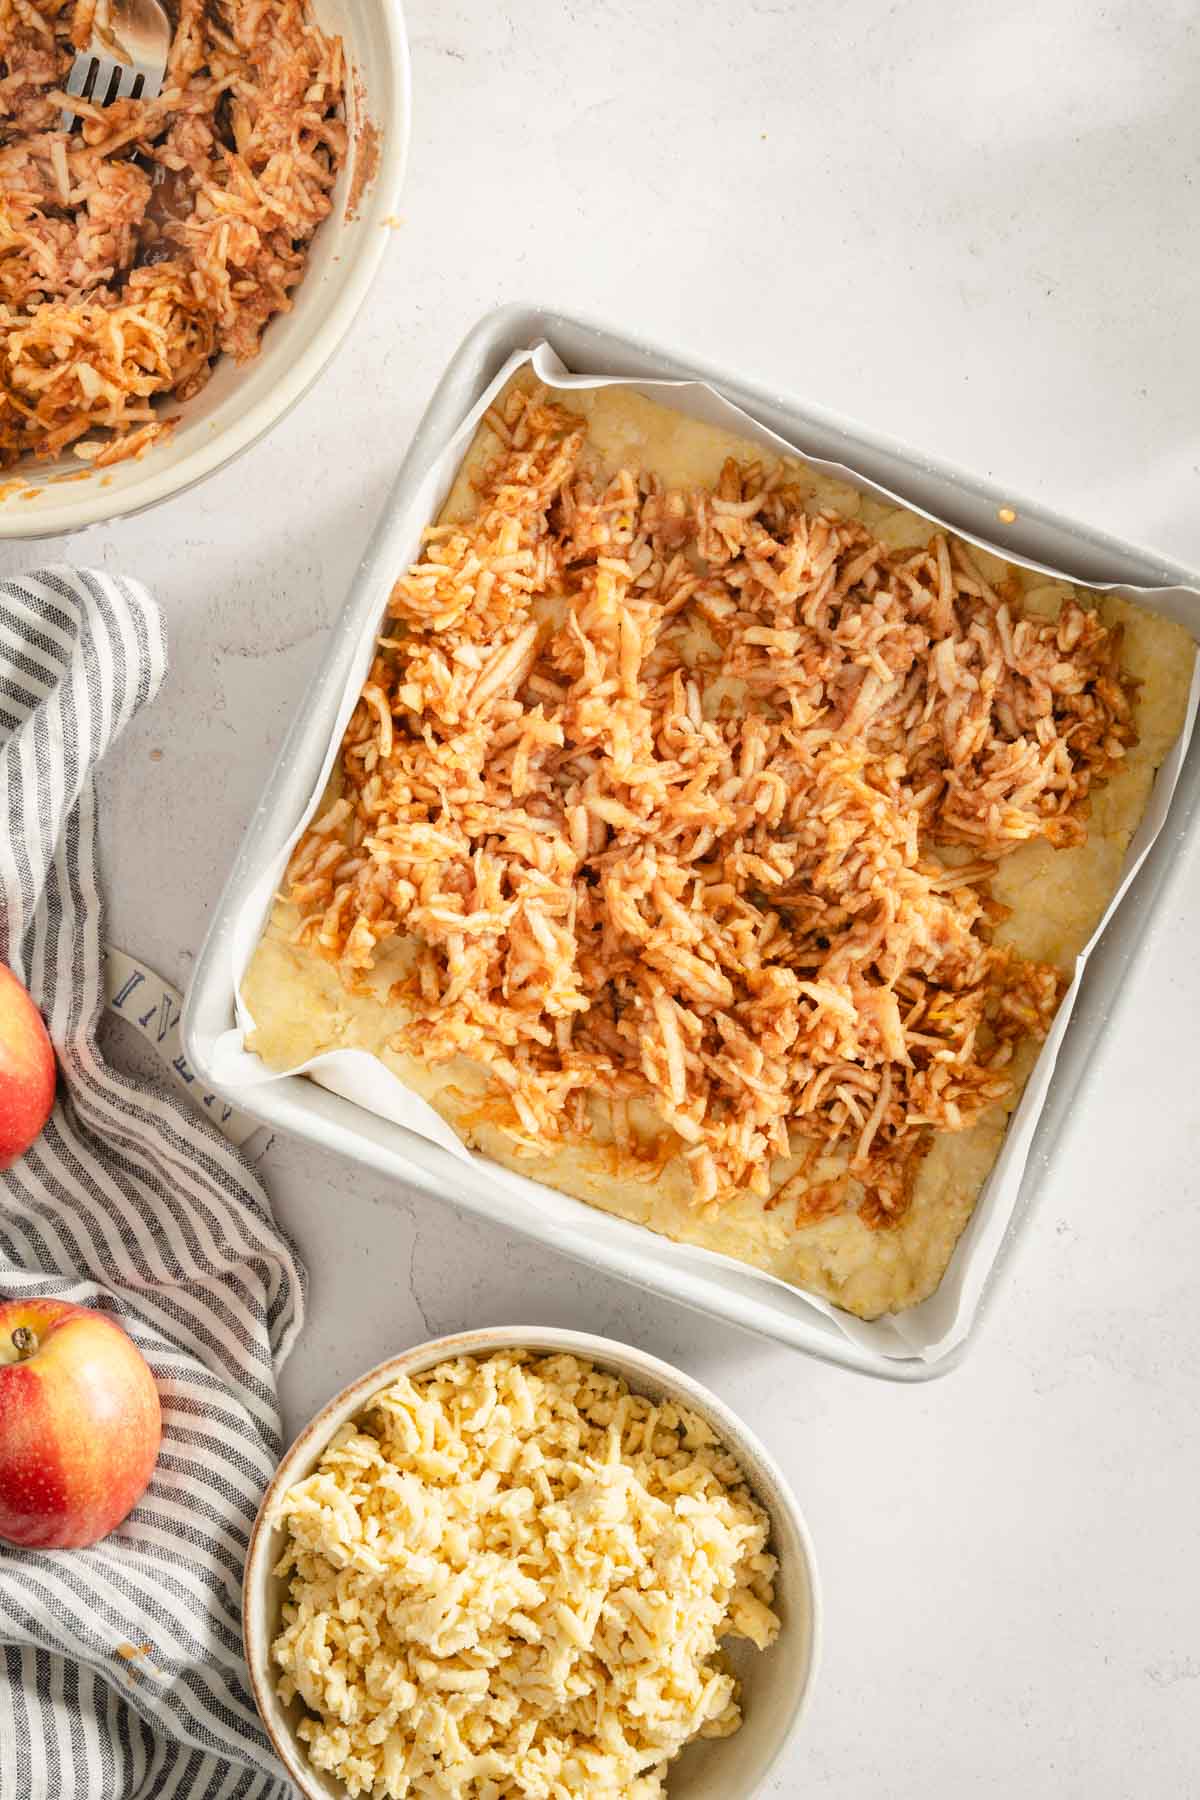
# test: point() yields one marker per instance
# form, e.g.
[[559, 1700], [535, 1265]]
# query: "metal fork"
[[126, 58]]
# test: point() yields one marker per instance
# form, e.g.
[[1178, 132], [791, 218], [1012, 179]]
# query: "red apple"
[[27, 1071], [79, 1424]]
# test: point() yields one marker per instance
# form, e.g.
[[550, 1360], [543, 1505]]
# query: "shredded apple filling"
[[160, 233], [691, 799]]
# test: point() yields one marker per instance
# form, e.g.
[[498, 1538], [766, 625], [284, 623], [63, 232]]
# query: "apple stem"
[[24, 1342]]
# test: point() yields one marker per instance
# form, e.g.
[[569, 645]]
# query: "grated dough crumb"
[[511, 1577]]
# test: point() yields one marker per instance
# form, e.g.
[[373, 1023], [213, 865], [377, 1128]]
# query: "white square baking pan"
[[738, 1294]]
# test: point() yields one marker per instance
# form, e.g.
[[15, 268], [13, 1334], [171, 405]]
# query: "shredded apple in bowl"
[[159, 234], [692, 798]]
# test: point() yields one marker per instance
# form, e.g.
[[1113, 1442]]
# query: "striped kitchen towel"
[[124, 1662]]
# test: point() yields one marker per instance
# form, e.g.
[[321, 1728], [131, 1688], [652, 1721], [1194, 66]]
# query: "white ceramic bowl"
[[775, 1682], [239, 405]]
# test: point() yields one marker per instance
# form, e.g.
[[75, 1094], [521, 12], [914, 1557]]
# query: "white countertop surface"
[[973, 228]]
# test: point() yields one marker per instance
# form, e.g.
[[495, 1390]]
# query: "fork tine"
[[129, 74], [80, 69], [75, 83]]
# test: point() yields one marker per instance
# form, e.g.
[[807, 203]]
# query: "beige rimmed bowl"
[[240, 404], [775, 1682]]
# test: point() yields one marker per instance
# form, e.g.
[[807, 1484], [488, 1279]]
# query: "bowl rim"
[[103, 507], [746, 1445]]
